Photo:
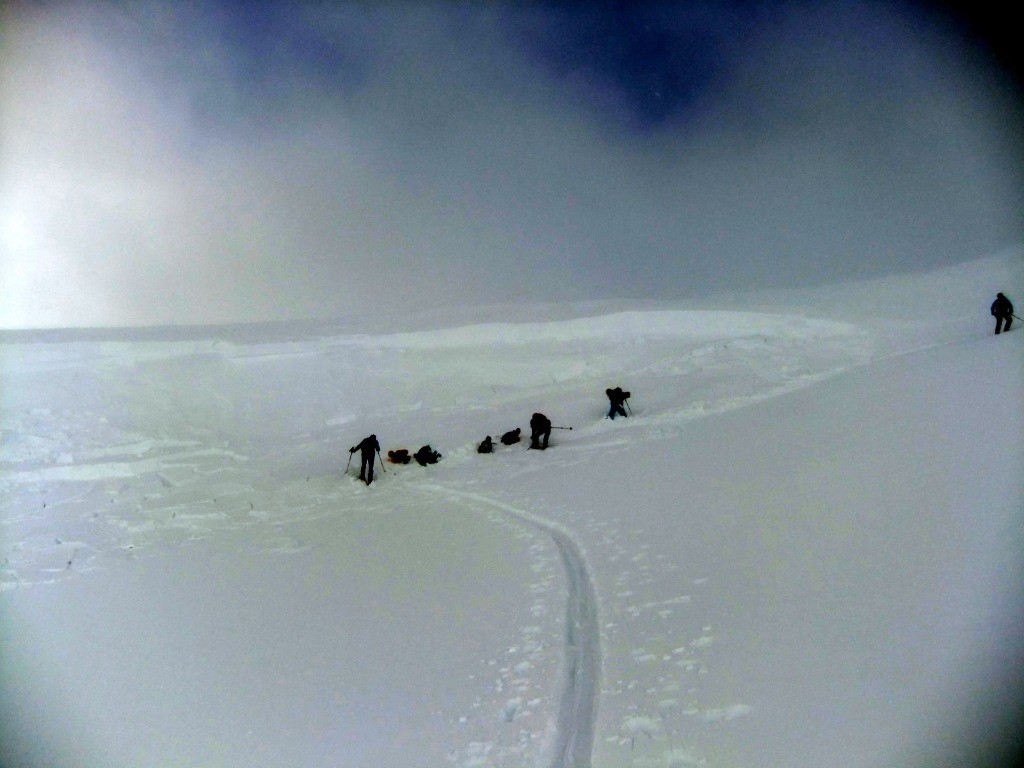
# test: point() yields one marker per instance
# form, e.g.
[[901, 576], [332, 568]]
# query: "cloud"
[[170, 165]]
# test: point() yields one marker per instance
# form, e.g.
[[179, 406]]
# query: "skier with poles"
[[369, 450], [618, 398], [1002, 311]]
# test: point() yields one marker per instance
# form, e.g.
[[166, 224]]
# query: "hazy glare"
[[160, 165]]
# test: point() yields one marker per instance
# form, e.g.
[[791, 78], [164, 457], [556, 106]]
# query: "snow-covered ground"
[[803, 549]]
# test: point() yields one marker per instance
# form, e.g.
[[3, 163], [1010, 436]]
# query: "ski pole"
[[349, 462], [561, 427], [381, 463], [626, 401]]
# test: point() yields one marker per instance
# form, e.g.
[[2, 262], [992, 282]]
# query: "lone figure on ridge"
[[1002, 311]]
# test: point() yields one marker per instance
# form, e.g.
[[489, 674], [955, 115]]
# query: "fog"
[[170, 165]]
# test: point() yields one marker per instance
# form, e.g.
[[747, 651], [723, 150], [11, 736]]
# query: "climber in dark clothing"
[[1002, 311], [511, 438], [486, 446], [541, 429], [617, 398], [368, 450]]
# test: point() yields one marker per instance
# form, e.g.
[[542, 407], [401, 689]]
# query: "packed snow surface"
[[803, 547]]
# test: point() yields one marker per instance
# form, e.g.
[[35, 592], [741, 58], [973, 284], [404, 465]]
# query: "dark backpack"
[[617, 396], [426, 455], [511, 438]]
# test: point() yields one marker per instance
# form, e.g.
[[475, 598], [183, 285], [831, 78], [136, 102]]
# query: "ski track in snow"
[[573, 740], [122, 484], [166, 503]]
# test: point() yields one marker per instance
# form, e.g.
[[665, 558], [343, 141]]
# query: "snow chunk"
[[728, 713]]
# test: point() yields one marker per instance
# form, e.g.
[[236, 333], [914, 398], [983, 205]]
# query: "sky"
[[168, 163]]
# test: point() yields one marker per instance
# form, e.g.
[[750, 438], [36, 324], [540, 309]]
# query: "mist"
[[170, 165]]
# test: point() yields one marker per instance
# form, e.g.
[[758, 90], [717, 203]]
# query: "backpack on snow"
[[399, 456], [426, 455]]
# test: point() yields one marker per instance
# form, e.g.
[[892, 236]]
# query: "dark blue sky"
[[231, 161], [644, 64], [657, 62]]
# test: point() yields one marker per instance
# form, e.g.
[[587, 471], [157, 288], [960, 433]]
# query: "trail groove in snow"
[[572, 745]]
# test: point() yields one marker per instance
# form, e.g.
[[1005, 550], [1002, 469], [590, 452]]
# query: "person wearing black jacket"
[[368, 450], [1002, 311], [617, 398]]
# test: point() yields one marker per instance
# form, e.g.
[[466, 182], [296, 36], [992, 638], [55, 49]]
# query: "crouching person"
[[511, 437]]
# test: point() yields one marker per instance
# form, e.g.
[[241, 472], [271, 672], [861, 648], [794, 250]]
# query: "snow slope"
[[804, 549]]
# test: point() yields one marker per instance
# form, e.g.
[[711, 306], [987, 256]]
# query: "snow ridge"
[[573, 739]]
